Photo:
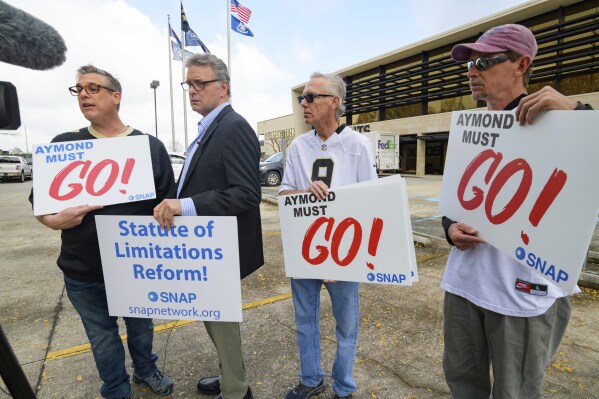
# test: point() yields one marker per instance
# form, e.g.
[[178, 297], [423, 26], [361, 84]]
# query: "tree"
[[274, 140], [178, 147]]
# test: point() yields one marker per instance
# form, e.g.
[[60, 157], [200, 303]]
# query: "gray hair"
[[513, 57], [111, 81], [336, 85], [218, 67]]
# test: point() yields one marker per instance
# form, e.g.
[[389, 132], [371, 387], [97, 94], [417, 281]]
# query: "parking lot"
[[400, 348]]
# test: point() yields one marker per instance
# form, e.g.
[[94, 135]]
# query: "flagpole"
[[26, 143], [183, 76], [170, 74], [229, 38]]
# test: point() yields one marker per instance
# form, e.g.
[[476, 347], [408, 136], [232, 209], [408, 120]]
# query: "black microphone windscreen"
[[28, 42]]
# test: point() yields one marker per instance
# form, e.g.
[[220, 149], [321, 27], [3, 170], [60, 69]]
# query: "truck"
[[386, 150], [15, 167]]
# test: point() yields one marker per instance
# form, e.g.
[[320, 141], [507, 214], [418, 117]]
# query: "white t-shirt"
[[492, 280], [344, 158]]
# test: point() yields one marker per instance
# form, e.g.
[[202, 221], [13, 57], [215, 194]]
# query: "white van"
[[386, 150]]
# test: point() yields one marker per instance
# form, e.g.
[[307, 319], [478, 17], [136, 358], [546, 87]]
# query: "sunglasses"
[[310, 97], [484, 63]]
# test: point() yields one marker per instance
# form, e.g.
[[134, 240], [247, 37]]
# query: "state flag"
[[177, 56], [240, 27], [174, 35], [184, 24], [191, 39]]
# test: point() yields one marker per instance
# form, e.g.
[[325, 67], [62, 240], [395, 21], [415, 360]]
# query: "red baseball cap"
[[514, 37]]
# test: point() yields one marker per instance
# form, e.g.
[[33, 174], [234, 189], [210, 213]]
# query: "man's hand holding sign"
[[166, 211], [319, 189], [543, 100], [463, 236], [68, 217]]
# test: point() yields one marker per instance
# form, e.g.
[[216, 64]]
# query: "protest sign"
[[95, 172], [529, 190], [190, 271], [361, 232]]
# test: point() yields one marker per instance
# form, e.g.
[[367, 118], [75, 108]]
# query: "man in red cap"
[[487, 320]]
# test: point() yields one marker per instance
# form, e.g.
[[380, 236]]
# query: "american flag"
[[244, 13]]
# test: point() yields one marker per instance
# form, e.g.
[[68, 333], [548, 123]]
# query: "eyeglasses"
[[90, 88], [196, 84], [484, 63], [310, 97]]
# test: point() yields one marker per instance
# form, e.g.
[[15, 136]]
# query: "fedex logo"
[[389, 145]]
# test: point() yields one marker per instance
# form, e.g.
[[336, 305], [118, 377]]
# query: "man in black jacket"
[[487, 319], [221, 178], [99, 97]]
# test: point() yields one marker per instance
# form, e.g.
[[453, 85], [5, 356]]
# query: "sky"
[[129, 38]]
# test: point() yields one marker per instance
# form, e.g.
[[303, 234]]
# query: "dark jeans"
[[89, 299]]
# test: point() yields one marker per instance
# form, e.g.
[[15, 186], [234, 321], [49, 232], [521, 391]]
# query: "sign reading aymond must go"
[[95, 172], [361, 232], [531, 191], [189, 272]]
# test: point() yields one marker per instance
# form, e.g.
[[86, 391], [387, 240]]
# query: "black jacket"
[[223, 179]]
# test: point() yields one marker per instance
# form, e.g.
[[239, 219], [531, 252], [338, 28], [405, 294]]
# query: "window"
[[431, 82], [177, 159]]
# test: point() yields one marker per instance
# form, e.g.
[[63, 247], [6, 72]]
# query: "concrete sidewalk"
[[399, 354]]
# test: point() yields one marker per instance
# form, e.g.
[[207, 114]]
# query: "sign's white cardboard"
[[190, 272], [337, 239], [538, 199], [94, 172]]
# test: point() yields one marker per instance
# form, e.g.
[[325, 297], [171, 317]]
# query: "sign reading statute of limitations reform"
[[96, 172], [189, 272], [531, 190]]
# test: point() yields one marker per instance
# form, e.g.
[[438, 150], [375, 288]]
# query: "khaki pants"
[[227, 339], [518, 348]]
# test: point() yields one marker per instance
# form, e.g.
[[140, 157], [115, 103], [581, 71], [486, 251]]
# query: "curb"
[[593, 257], [589, 280], [270, 199], [420, 240]]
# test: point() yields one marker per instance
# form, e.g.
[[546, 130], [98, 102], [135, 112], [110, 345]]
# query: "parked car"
[[177, 162], [271, 170], [15, 167]]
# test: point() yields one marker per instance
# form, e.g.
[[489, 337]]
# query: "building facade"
[[412, 90]]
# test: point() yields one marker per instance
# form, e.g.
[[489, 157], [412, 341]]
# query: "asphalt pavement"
[[400, 347]]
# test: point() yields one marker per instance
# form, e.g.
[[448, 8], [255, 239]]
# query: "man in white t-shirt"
[[328, 156], [498, 312]]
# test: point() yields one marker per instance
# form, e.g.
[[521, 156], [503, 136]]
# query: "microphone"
[[27, 41]]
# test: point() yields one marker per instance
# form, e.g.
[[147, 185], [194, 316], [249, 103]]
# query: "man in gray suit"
[[220, 178]]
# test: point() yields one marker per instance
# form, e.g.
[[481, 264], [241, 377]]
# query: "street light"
[[153, 85]]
